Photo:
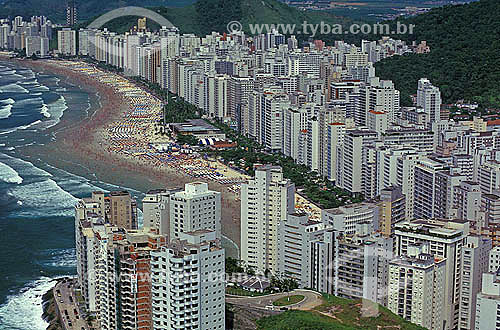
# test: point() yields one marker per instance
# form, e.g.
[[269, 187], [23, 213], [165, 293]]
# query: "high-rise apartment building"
[[361, 265], [391, 209], [417, 286], [71, 13], [87, 42], [489, 177], [156, 209], [294, 237], [429, 99], [488, 303], [122, 210], [352, 158], [406, 165], [468, 201], [475, 256], [346, 218], [195, 208], [425, 188], [446, 240], [378, 96], [188, 288], [266, 200], [66, 39], [335, 139]]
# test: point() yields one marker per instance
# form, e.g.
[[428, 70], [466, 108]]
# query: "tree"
[[233, 266]]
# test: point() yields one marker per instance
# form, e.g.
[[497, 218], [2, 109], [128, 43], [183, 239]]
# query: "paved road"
[[68, 306], [312, 299]]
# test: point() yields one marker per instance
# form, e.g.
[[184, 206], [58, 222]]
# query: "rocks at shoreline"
[[49, 311]]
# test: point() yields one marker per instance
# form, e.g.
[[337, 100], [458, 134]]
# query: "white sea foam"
[[7, 72], [24, 310], [56, 110], [40, 88], [5, 111], [3, 132], [30, 82], [31, 100], [45, 111], [30, 126], [13, 88], [9, 175], [59, 258], [24, 167], [8, 101], [44, 193]]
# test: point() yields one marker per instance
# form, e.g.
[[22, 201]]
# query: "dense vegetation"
[[464, 60], [206, 16], [56, 9], [347, 316]]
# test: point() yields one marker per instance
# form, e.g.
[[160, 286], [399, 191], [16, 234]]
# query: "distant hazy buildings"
[[71, 13]]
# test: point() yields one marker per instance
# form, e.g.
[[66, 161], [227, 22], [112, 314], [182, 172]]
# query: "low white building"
[[345, 218], [488, 303]]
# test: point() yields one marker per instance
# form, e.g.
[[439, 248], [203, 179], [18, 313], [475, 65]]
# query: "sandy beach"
[[116, 143], [82, 147]]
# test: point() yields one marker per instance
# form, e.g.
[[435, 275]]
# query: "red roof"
[[493, 122]]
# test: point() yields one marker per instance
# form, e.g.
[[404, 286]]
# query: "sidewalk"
[[67, 305]]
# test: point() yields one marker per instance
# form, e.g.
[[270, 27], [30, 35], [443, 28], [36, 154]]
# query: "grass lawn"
[[242, 292], [290, 300]]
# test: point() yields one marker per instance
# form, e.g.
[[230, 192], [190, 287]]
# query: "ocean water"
[[36, 199]]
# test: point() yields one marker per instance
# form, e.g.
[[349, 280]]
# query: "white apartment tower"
[[156, 210], [188, 288], [429, 99], [266, 200], [446, 240], [475, 255], [416, 287], [488, 303], [66, 41], [294, 237], [193, 209], [352, 159]]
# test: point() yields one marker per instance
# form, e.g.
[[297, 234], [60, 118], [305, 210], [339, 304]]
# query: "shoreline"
[[78, 147]]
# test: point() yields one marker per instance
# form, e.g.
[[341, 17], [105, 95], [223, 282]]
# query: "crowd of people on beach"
[[130, 133], [127, 129]]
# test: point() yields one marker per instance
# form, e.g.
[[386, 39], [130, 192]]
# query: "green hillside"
[[336, 313], [56, 9], [205, 16], [464, 60]]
